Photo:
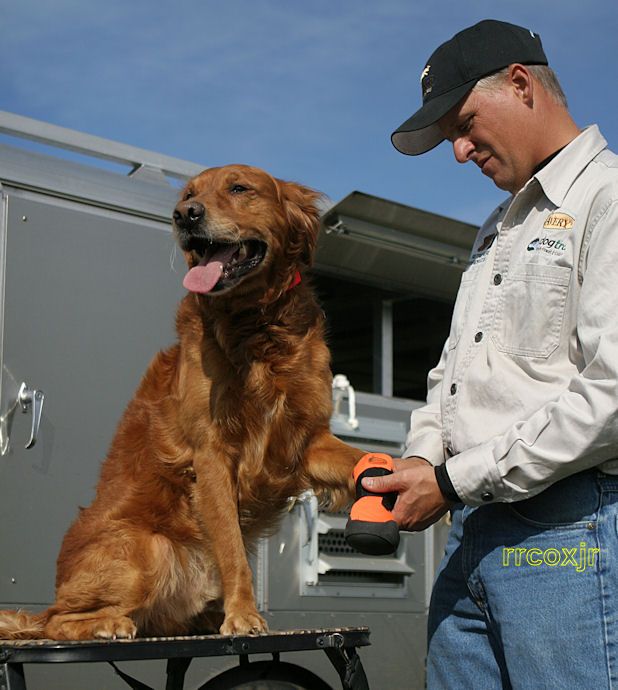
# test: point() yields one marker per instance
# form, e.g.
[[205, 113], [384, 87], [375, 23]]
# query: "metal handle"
[[28, 398]]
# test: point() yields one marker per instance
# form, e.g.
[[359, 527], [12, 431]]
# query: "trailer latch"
[[34, 399]]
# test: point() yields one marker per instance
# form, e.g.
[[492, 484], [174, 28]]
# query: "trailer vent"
[[333, 542], [352, 578]]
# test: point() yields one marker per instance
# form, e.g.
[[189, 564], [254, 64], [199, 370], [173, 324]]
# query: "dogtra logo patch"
[[548, 245], [559, 221]]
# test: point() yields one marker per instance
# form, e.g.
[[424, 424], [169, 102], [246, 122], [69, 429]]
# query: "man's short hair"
[[544, 74]]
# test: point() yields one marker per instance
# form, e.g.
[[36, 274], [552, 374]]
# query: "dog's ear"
[[303, 219]]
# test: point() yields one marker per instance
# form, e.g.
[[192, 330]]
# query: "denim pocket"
[[569, 503], [529, 316]]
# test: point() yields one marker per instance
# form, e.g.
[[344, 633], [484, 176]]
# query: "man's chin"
[[506, 185]]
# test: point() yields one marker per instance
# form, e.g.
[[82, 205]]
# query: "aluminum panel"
[[89, 298]]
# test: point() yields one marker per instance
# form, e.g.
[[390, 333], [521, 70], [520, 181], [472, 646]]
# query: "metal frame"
[[383, 349], [97, 147], [391, 238], [339, 644]]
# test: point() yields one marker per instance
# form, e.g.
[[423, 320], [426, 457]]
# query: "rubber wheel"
[[266, 675]]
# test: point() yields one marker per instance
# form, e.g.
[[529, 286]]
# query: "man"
[[519, 437]]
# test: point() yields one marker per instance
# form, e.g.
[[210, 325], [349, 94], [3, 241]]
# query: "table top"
[[53, 651]]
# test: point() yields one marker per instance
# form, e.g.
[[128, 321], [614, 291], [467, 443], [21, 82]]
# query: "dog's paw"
[[120, 628], [243, 623], [104, 628]]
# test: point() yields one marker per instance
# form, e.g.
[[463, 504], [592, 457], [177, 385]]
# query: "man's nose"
[[462, 148]]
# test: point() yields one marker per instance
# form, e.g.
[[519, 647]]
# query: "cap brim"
[[420, 133]]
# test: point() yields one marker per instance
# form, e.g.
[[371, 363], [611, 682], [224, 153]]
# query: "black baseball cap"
[[453, 70]]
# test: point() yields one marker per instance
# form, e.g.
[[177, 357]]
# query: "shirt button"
[[453, 388], [487, 496], [478, 337], [497, 279]]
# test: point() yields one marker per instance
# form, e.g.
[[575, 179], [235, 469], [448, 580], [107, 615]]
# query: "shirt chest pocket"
[[530, 313]]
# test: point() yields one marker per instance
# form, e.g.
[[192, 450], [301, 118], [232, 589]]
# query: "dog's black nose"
[[189, 213]]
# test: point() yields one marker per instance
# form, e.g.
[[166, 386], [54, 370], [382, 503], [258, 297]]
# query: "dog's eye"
[[238, 189], [187, 195]]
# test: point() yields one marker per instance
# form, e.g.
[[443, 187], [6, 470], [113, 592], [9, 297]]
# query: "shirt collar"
[[544, 162], [559, 174]]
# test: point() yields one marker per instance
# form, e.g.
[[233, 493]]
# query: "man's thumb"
[[380, 484]]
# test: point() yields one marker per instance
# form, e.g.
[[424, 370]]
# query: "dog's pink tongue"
[[203, 277]]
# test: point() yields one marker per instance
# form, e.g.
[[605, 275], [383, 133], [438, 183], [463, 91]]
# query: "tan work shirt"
[[526, 390]]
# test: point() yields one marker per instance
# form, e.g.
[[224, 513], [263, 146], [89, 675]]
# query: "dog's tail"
[[21, 625]]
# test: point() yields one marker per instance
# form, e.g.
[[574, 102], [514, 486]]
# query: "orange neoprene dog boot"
[[371, 528]]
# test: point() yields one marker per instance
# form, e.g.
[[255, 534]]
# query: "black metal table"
[[339, 644]]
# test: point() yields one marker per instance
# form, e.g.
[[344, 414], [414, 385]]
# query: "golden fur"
[[224, 427]]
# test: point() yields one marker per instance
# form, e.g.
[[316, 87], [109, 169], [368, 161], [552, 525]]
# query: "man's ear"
[[522, 83]]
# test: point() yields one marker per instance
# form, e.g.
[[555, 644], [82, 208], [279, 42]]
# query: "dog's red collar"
[[295, 280]]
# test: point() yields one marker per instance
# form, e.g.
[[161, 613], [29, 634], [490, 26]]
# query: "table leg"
[[12, 677], [349, 667], [176, 669]]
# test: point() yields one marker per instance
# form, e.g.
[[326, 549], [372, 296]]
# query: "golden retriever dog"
[[225, 426]]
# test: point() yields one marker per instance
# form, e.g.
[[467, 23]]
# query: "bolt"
[[24, 219]]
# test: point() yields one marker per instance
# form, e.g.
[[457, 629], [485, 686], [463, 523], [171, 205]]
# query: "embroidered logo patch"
[[559, 221], [426, 82], [547, 245], [480, 253], [487, 242]]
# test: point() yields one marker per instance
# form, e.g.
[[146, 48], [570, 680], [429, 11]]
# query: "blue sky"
[[308, 90]]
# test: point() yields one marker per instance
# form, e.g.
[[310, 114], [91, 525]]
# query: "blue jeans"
[[526, 596]]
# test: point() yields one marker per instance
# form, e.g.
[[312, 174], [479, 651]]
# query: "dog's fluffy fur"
[[225, 426]]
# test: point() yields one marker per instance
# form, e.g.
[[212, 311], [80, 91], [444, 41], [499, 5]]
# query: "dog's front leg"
[[328, 466], [217, 504]]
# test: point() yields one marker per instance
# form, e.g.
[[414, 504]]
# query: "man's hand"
[[420, 502]]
